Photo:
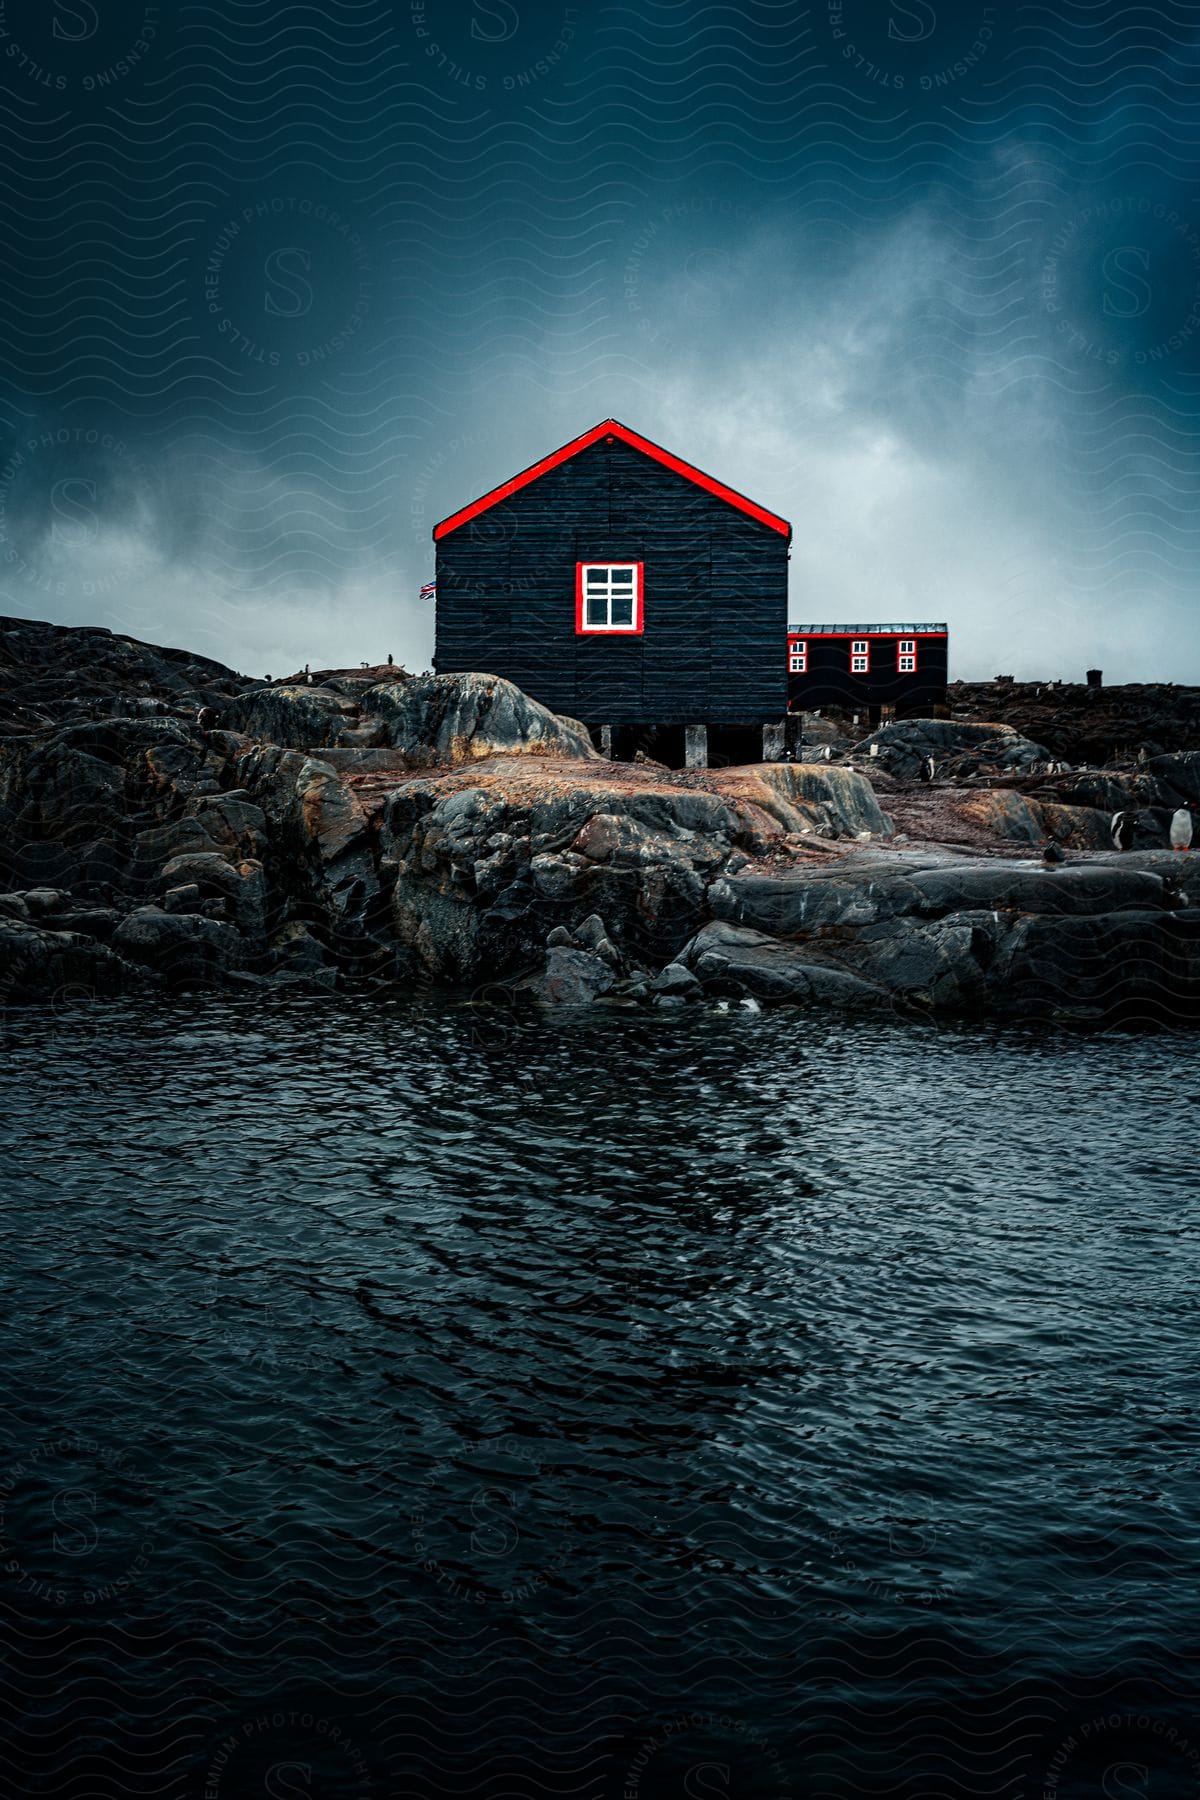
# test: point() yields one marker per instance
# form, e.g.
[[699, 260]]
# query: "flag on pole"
[[429, 590]]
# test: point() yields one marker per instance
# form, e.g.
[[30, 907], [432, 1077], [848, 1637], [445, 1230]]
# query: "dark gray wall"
[[830, 683], [715, 641]]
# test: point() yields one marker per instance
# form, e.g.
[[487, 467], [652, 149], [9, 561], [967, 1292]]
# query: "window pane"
[[597, 580], [622, 577], [597, 610], [622, 609]]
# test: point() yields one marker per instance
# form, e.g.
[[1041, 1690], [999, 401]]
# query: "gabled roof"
[[612, 428]]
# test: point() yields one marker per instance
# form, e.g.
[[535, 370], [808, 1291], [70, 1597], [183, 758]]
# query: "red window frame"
[[906, 647], [864, 653], [639, 611], [798, 653]]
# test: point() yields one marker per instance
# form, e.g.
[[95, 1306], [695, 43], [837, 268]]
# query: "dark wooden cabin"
[[865, 668], [618, 584]]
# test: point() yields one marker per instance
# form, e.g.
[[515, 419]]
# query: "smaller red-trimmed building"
[[620, 584], [863, 668]]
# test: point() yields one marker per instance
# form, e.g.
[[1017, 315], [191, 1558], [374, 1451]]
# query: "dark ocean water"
[[721, 1405]]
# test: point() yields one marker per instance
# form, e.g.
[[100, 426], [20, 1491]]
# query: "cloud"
[[897, 394]]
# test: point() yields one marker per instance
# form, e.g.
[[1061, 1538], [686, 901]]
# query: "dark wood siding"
[[829, 682], [714, 645]]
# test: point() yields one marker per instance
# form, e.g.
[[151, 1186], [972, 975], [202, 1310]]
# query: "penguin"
[[1122, 827], [1181, 828], [1052, 855], [827, 752], [928, 769]]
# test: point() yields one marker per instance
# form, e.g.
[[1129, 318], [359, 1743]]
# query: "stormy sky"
[[286, 283]]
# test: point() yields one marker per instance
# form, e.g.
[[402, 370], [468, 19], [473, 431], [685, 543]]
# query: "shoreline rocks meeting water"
[[169, 824]]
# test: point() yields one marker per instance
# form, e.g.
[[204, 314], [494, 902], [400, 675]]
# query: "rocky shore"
[[166, 823]]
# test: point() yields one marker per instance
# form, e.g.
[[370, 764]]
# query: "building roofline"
[[612, 428], [931, 630]]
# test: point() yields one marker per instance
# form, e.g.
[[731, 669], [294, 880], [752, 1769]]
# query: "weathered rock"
[[332, 819], [1082, 827], [43, 903], [297, 955], [37, 964], [903, 745], [326, 855], [1179, 774], [788, 905], [241, 885], [804, 797], [591, 932], [235, 825], [1088, 725], [676, 978], [183, 949], [460, 718], [91, 921], [1131, 966], [567, 845], [966, 936], [183, 899], [571, 978], [296, 718], [941, 966], [1005, 813], [1082, 888], [57, 672], [729, 959]]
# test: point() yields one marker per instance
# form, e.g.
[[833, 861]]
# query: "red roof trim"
[[803, 636], [612, 428]]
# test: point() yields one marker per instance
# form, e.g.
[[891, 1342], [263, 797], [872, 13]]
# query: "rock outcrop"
[[434, 720], [54, 674], [1080, 724], [484, 869], [902, 746], [1089, 942], [441, 719], [165, 823]]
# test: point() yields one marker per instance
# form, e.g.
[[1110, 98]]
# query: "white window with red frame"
[[798, 656], [906, 656], [860, 656], [608, 597]]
